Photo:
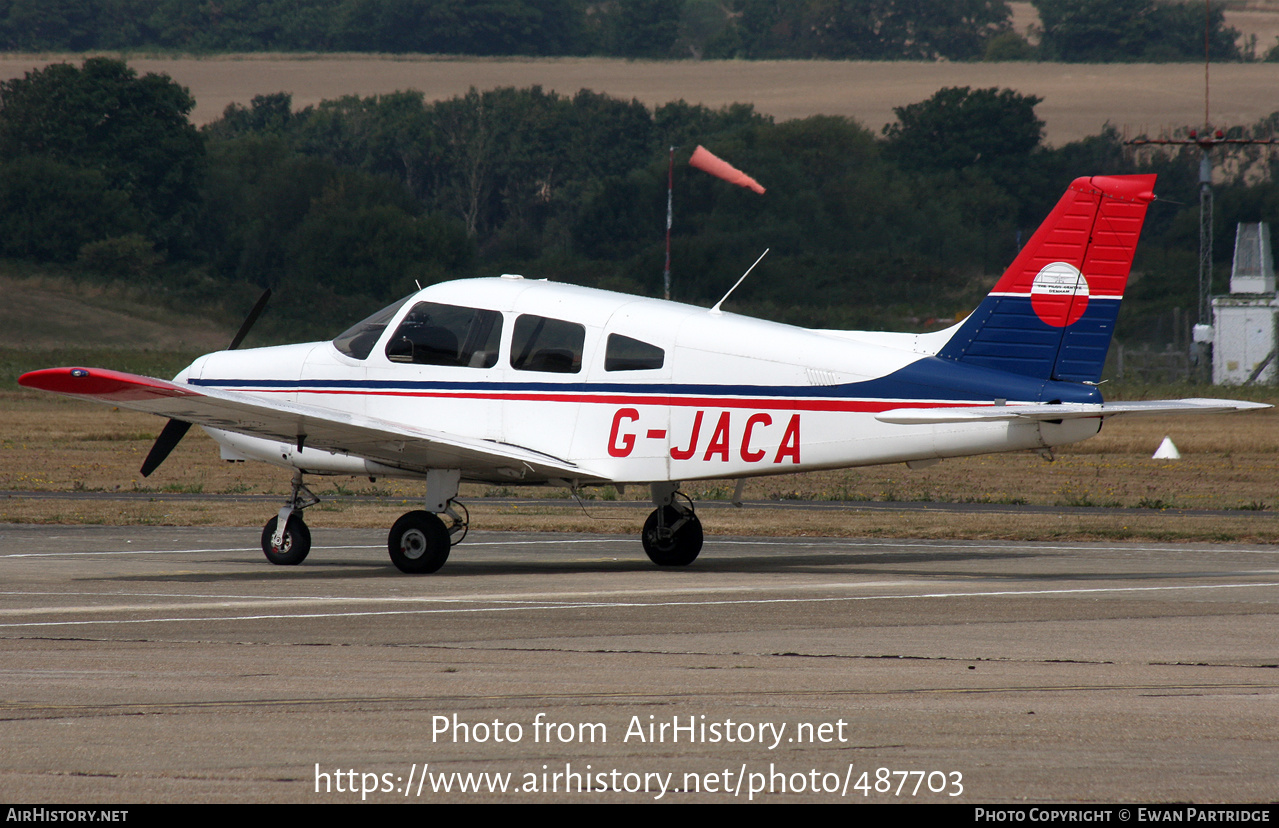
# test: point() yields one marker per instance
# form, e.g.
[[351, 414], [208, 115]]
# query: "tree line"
[[1072, 30], [346, 205]]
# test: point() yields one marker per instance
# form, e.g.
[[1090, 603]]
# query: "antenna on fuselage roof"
[[716, 310]]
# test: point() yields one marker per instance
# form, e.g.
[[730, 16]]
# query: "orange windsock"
[[705, 161]]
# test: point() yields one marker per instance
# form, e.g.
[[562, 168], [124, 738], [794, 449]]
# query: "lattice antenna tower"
[[1207, 139]]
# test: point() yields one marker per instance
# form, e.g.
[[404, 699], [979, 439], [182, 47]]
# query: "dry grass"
[[1231, 463], [1078, 98]]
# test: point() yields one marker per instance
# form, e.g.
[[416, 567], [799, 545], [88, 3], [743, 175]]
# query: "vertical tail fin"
[[1052, 314]]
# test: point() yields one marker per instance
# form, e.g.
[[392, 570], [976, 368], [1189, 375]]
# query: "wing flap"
[[1035, 412], [391, 444]]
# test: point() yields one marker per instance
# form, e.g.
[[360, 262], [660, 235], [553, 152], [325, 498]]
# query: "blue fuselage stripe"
[[930, 378]]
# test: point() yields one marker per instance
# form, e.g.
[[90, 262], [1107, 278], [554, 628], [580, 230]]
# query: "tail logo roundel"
[[1059, 294]]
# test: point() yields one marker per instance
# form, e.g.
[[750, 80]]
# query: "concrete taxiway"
[[144, 664]]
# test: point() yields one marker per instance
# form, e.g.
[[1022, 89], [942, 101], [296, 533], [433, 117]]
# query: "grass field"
[[1079, 99]]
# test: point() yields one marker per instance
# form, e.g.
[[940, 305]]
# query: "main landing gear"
[[418, 543], [672, 534]]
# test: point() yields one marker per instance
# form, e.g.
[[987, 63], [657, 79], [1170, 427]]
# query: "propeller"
[[175, 430], [250, 320]]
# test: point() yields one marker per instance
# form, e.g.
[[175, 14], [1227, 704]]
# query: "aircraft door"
[[437, 369], [544, 389]]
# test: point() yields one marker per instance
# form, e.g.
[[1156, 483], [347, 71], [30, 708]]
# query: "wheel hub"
[[663, 538], [413, 544]]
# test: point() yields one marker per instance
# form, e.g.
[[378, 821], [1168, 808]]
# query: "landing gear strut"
[[672, 534], [285, 538]]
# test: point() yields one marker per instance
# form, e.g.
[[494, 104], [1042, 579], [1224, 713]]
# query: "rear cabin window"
[[626, 354], [435, 334], [358, 340], [549, 345]]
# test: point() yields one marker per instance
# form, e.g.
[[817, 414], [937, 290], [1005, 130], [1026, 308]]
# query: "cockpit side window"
[[358, 340], [436, 334], [626, 354], [549, 345]]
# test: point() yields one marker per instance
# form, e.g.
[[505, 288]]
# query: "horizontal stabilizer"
[[1060, 411]]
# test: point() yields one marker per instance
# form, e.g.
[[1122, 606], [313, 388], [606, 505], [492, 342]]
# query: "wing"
[[1060, 411], [392, 444]]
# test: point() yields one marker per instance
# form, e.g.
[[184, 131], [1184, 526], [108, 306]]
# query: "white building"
[[1246, 321]]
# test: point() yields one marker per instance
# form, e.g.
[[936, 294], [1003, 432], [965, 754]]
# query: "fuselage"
[[631, 389]]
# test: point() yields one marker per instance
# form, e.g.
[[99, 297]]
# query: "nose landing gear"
[[285, 539]]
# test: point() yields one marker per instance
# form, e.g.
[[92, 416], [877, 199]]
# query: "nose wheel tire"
[[672, 537], [293, 548], [419, 543]]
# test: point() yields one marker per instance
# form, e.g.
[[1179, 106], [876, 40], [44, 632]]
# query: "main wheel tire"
[[678, 548], [293, 548], [418, 543]]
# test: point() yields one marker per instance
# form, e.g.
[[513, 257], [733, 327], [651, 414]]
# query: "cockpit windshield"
[[357, 341]]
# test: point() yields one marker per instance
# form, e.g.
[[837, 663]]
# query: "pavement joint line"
[[547, 605]]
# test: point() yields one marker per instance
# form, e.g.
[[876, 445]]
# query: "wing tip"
[[99, 383]]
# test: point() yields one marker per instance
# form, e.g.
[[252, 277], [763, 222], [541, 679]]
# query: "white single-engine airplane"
[[512, 380]]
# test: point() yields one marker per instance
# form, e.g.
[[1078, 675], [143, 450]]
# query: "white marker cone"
[[1166, 451]]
